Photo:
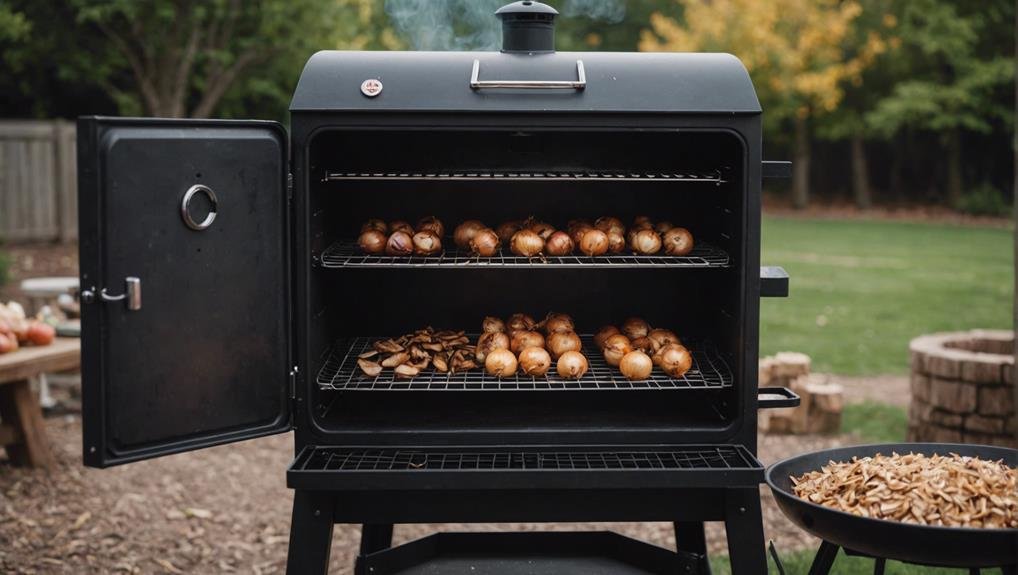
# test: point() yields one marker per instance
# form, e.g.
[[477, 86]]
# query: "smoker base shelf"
[[524, 467], [546, 553]]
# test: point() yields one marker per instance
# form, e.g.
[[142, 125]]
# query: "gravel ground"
[[224, 509]]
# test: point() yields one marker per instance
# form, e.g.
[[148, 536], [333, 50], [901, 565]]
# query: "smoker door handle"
[[771, 397], [131, 296], [773, 281], [579, 84]]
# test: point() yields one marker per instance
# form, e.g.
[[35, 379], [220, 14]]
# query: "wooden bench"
[[22, 430]]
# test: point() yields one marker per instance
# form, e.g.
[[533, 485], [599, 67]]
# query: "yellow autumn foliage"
[[798, 49]]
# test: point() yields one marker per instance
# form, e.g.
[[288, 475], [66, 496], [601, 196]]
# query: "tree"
[[797, 51], [960, 72]]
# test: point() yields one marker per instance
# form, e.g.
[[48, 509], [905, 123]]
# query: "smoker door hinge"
[[289, 187], [293, 382]]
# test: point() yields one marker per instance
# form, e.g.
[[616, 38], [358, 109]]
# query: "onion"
[[485, 243], [431, 223], [500, 363], [489, 342], [594, 243], [674, 359], [563, 341], [465, 232], [372, 241], [616, 242], [506, 230], [375, 224], [615, 348], [635, 327], [400, 226], [576, 233], [535, 361], [662, 337], [571, 365], [543, 229], [520, 322], [678, 242], [610, 224], [574, 223], [556, 322], [641, 222], [492, 325], [662, 227], [427, 243], [559, 244], [526, 243], [646, 242], [636, 365], [604, 333], [523, 339], [645, 344], [399, 244]]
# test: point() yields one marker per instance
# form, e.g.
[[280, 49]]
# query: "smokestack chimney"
[[527, 26]]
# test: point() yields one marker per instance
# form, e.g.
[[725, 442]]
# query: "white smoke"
[[472, 24]]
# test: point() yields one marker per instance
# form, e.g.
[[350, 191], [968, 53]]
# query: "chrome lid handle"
[[579, 84]]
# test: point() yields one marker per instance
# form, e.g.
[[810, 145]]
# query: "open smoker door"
[[185, 284]]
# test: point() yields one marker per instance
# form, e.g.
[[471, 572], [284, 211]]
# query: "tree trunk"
[[800, 174], [954, 180], [860, 174]]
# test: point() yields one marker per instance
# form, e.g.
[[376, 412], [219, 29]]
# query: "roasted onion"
[[678, 242], [488, 342], [523, 339], [465, 232], [400, 244], [492, 325], [576, 232], [635, 327], [594, 243], [520, 321], [662, 227], [372, 241], [646, 242], [562, 341], [646, 345], [543, 229], [558, 244], [375, 224], [431, 223], [616, 242], [485, 243], [603, 334], [526, 243], [674, 359], [506, 230], [662, 337], [534, 361], [615, 348], [610, 224], [555, 322], [641, 222], [636, 365], [571, 365], [427, 243], [401, 226], [500, 363]]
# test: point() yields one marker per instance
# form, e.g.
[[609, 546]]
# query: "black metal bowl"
[[943, 546]]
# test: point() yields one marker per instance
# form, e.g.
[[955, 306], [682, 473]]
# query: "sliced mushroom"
[[368, 354], [418, 353], [396, 359], [406, 371], [441, 362], [435, 347], [370, 368], [388, 346]]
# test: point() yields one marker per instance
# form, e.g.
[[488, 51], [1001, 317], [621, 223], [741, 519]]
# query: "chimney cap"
[[526, 7]]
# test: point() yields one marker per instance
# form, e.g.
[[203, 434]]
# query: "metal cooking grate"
[[705, 176], [340, 372], [685, 457], [345, 253]]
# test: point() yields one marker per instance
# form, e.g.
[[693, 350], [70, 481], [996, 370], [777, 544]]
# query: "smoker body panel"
[[197, 353]]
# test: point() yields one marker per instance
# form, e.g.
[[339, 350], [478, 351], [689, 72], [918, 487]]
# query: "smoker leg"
[[744, 527], [689, 538], [824, 559], [879, 564], [310, 533], [374, 537]]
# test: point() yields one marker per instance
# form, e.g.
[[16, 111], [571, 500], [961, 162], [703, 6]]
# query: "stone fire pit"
[[963, 388]]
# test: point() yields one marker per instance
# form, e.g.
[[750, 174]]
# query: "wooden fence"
[[38, 181]]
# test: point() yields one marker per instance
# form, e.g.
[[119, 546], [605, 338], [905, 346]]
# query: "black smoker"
[[223, 299]]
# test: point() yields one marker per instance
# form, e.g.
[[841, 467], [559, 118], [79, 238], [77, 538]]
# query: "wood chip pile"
[[950, 491]]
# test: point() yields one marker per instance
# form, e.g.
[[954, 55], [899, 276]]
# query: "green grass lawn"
[[875, 422], [798, 564], [860, 290]]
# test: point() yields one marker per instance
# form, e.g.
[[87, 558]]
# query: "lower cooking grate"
[[345, 253], [340, 372], [685, 457]]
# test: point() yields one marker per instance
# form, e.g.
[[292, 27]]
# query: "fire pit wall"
[[963, 388]]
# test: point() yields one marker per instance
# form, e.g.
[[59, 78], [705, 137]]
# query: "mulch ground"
[[225, 509]]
